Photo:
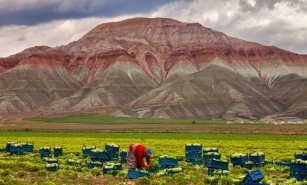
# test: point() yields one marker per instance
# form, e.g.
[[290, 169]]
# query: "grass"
[[132, 135], [105, 119]]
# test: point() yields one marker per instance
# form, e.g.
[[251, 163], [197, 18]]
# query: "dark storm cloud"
[[30, 12]]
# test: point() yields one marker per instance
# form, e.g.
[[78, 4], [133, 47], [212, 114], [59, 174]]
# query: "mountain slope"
[[155, 67]]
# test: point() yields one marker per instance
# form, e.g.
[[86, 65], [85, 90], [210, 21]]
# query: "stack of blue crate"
[[8, 146], [194, 153], [57, 151], [298, 169], [112, 151], [87, 151], [166, 162], [209, 154], [98, 155], [45, 152], [28, 147], [123, 156], [16, 149]]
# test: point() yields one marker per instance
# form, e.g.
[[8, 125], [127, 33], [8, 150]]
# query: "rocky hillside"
[[155, 67]]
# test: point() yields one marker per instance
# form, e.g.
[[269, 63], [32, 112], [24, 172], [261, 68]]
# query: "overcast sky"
[[27, 23]]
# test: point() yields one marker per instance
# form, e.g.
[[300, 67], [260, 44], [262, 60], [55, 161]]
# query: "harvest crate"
[[58, 151], [134, 174], [123, 156], [196, 161], [111, 156], [194, 155], [207, 150], [91, 164], [257, 157], [52, 167], [298, 166], [45, 152], [302, 156], [216, 164], [253, 177], [112, 148], [208, 158], [28, 147], [8, 146], [193, 148], [16, 149], [239, 159], [87, 151], [299, 176], [167, 161]]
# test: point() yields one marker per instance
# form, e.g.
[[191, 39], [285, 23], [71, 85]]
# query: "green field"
[[30, 169], [104, 119]]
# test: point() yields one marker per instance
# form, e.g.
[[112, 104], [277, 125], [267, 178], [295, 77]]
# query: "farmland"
[[29, 169]]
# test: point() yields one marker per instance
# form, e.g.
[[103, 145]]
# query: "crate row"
[[239, 159], [110, 153], [15, 148]]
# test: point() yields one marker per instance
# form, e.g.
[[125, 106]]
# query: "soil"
[[192, 128]]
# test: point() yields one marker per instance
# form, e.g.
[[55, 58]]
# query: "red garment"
[[140, 154]]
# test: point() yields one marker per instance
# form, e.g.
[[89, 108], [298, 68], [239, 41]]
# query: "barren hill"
[[155, 67]]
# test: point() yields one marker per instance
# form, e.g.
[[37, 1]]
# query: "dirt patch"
[[198, 128]]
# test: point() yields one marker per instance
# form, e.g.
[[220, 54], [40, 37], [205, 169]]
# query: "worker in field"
[[136, 154]]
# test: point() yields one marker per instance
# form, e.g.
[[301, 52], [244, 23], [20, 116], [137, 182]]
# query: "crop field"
[[30, 169]]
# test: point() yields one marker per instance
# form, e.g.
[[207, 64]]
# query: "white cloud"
[[281, 23], [14, 39]]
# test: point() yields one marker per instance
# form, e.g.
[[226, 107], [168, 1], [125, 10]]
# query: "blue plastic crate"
[[58, 151], [278, 163], [302, 156], [239, 160], [52, 167], [209, 158], [194, 155], [102, 160], [298, 167], [112, 148], [8, 146], [28, 147], [168, 161], [298, 176], [216, 164], [45, 152], [253, 177], [123, 154], [16, 149], [134, 174], [257, 158], [196, 161], [87, 151], [96, 164], [207, 150], [111, 156], [193, 148]]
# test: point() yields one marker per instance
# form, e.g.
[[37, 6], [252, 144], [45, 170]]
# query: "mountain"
[[155, 67]]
